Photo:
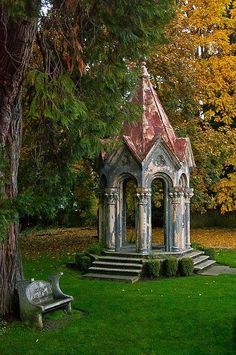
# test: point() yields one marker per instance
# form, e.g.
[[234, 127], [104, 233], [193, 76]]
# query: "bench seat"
[[50, 305]]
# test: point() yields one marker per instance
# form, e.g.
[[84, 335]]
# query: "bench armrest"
[[26, 305], [57, 292]]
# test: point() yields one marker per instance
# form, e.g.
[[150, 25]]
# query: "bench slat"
[[52, 305]]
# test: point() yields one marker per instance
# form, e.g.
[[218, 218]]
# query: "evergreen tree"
[[101, 40]]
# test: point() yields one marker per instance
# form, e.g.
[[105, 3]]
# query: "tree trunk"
[[10, 264], [16, 39]]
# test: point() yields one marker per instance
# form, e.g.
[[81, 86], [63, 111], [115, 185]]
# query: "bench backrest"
[[39, 292]]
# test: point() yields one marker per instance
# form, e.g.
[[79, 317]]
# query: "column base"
[[143, 252], [111, 249], [175, 249]]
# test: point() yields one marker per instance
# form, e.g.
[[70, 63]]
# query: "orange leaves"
[[58, 242], [72, 49], [64, 241], [61, 33], [201, 48], [226, 193], [213, 237]]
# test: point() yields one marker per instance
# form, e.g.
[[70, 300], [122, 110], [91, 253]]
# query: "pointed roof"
[[141, 136]]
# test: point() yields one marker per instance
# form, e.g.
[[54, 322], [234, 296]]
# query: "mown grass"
[[226, 257], [191, 315], [185, 316]]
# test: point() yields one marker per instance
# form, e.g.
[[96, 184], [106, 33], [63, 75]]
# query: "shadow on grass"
[[58, 319]]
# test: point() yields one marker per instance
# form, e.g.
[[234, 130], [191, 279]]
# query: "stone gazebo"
[[150, 150]]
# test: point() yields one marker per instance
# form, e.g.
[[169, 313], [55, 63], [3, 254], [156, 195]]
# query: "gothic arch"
[[167, 208], [183, 181]]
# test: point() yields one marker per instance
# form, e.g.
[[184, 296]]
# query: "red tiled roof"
[[141, 136]]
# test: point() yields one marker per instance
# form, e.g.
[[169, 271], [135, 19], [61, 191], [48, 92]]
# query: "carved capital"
[[188, 194], [143, 195], [111, 195], [175, 196]]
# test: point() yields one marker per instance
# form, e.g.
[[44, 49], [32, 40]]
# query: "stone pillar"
[[101, 219], [143, 230], [175, 196], [149, 221], [188, 193], [118, 234], [123, 214], [111, 196]]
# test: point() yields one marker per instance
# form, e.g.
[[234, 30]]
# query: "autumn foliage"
[[195, 72], [68, 241]]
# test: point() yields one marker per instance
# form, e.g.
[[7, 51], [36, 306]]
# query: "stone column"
[[188, 193], [149, 221], [123, 213], [101, 219], [143, 245], [111, 196], [175, 196]]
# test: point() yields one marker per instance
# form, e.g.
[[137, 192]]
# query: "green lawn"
[[191, 315], [226, 257]]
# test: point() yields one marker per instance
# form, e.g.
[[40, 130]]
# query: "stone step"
[[103, 270], [204, 265], [124, 254], [200, 259], [194, 254], [108, 277], [120, 259], [117, 265]]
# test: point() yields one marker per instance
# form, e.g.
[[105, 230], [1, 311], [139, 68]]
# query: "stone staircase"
[[128, 267], [116, 268], [200, 261]]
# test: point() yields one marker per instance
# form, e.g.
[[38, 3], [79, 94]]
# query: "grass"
[[188, 315], [226, 257], [192, 315]]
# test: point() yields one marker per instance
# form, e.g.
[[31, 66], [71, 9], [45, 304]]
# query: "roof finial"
[[144, 72]]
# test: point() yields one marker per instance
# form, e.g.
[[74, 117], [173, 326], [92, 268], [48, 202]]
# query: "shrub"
[[186, 266], [78, 258], [96, 249], [152, 268], [170, 266], [85, 263], [210, 252]]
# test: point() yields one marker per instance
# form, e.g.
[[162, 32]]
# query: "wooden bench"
[[39, 297]]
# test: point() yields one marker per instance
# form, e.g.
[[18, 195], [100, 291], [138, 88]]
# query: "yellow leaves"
[[63, 241], [226, 193], [214, 238], [58, 241], [200, 47], [225, 189], [232, 160]]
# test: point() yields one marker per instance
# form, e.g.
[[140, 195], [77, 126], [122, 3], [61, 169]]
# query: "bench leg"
[[33, 320], [39, 321], [68, 308]]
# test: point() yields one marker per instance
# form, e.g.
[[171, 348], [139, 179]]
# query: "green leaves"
[[69, 112], [54, 99]]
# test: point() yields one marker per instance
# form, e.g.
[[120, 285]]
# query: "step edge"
[[113, 270], [210, 262]]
